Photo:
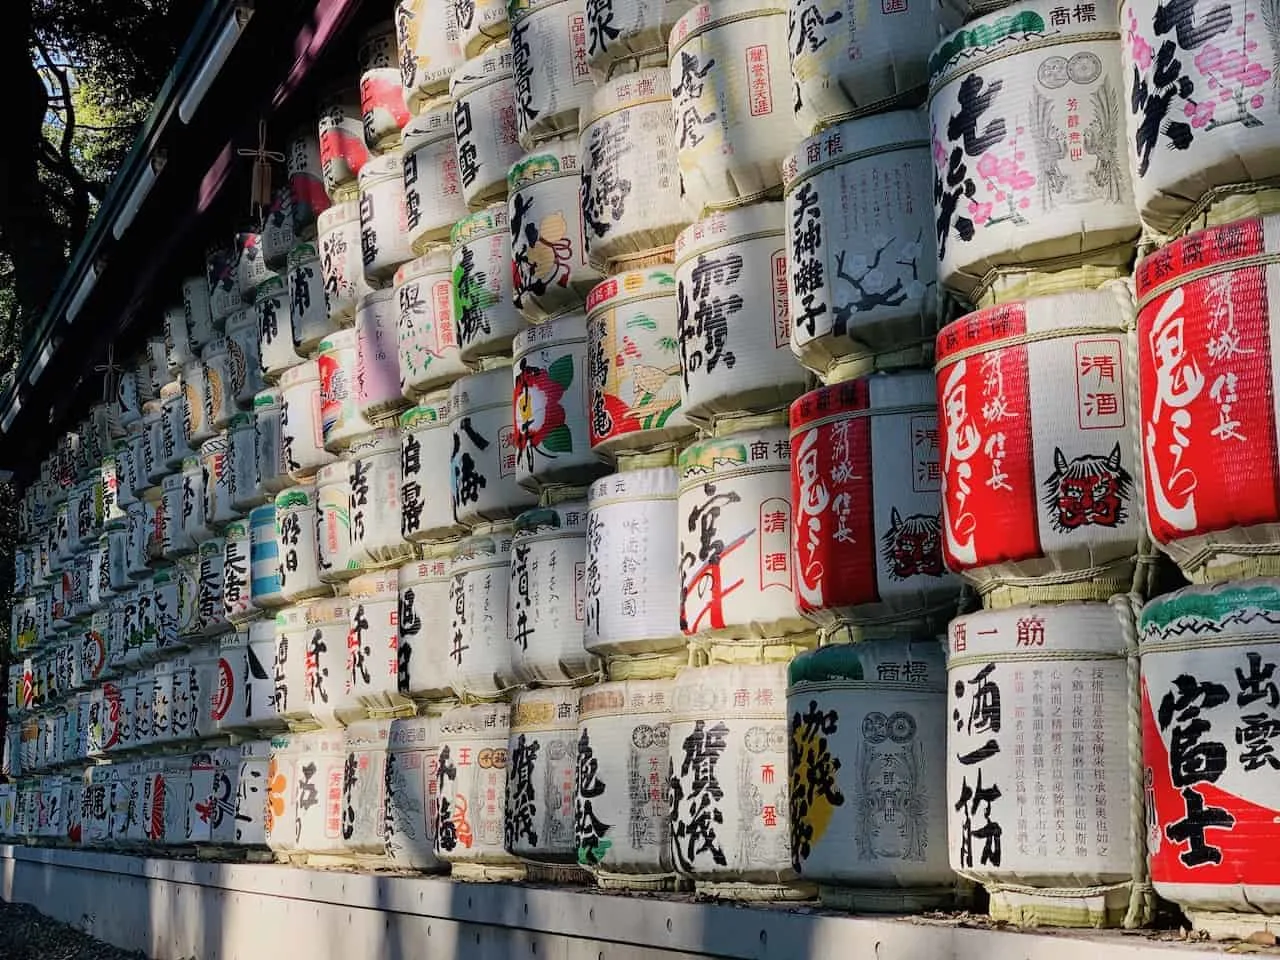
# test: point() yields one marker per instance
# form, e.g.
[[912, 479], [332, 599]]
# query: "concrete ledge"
[[174, 910]]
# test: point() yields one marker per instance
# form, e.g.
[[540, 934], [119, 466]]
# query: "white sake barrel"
[[432, 185], [1207, 682], [478, 648], [251, 268], [471, 779], [301, 428], [241, 460], [384, 218], [484, 123], [218, 477], [278, 819], [177, 338], [364, 787], [542, 771], [862, 280], [341, 261], [306, 181], [546, 599], [243, 348], [259, 678], [622, 816], [1013, 674], [295, 518], [161, 702], [186, 696], [252, 793], [734, 321], [733, 117], [481, 23], [127, 403], [121, 467], [552, 434], [632, 206], [264, 558], [196, 424], [428, 53], [340, 416], [334, 552], [429, 352], [222, 799], [382, 106], [483, 461], [317, 791], [485, 315], [93, 654], [223, 380], [735, 532], [375, 499], [309, 320], [373, 660], [549, 60], [291, 667], [177, 538], [411, 779], [237, 600], [277, 228], [868, 742], [224, 294], [197, 311], [378, 391], [97, 798], [174, 603], [343, 152], [329, 698], [211, 618], [1025, 110], [866, 481], [173, 443], [627, 35], [728, 747], [193, 519], [206, 687], [228, 693], [1037, 478], [275, 328], [425, 641]]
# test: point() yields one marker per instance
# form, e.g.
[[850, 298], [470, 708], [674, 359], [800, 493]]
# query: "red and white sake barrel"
[[432, 184], [177, 338], [378, 393], [633, 362], [309, 321], [429, 354], [471, 783], [364, 792], [277, 228], [1205, 371], [341, 261], [632, 206], [730, 810], [196, 425], [211, 618], [731, 297], [866, 484], [481, 24], [1037, 416], [549, 266], [425, 640], [227, 691], [549, 54], [862, 281], [478, 649], [868, 738], [1209, 709], [219, 478], [622, 815], [1042, 761], [334, 553], [275, 327], [251, 267], [376, 513], [384, 217], [281, 789], [341, 421], [483, 310], [630, 35], [197, 310], [306, 181], [343, 152], [428, 54], [382, 106], [1025, 106], [483, 459], [247, 487], [731, 88], [546, 603], [296, 546], [321, 761], [426, 444], [252, 790], [552, 433], [223, 291], [542, 772], [412, 748], [483, 94], [735, 532], [299, 414], [330, 697]]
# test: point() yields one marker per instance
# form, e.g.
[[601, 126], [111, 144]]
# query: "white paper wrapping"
[[301, 418], [373, 661], [432, 179], [471, 777], [552, 80], [384, 226], [542, 768], [478, 649], [411, 791], [427, 334], [424, 663], [484, 123], [483, 309]]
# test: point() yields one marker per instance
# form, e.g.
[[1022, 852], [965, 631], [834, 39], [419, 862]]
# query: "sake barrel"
[[278, 818], [275, 327], [481, 23], [730, 813], [317, 791], [342, 148], [127, 403], [382, 106], [197, 310], [373, 661], [732, 310], [243, 347], [480, 660], [546, 599], [483, 461], [252, 793], [224, 379], [277, 228], [228, 700], [1208, 660], [861, 271], [178, 540], [197, 427], [329, 698], [1040, 664], [552, 434], [251, 267], [295, 518], [306, 181], [622, 816], [334, 553], [542, 770], [308, 303], [192, 515], [237, 600], [259, 678], [867, 740], [427, 336], [1025, 108], [264, 558], [865, 482], [364, 788], [736, 523], [161, 702], [187, 693], [378, 392], [486, 318], [727, 67], [632, 204], [241, 462], [173, 443], [224, 294], [218, 476], [549, 60], [341, 261], [114, 496], [411, 778], [177, 338], [222, 799], [484, 122], [1037, 472], [430, 50], [207, 684], [384, 218], [633, 362], [291, 666], [375, 499], [432, 184], [93, 648], [340, 417], [630, 34], [211, 617], [423, 653], [301, 419], [471, 781]]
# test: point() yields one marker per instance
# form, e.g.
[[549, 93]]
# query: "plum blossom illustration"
[[539, 410], [875, 282], [1230, 75], [1008, 182]]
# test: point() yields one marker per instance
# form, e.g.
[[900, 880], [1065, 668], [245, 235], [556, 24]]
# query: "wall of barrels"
[[575, 475]]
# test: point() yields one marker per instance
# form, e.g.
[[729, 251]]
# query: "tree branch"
[[64, 84]]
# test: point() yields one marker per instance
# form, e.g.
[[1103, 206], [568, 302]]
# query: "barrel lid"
[[378, 441], [302, 251], [555, 158], [240, 421], [303, 372], [569, 518], [292, 617], [328, 610], [763, 447], [386, 166], [237, 528], [337, 215], [296, 498], [212, 546], [1207, 610], [565, 328], [272, 286], [380, 585], [483, 223], [480, 390], [912, 661], [480, 550], [486, 720], [437, 259], [265, 513], [262, 630], [344, 339], [889, 393], [337, 472], [171, 391], [630, 285], [548, 708], [382, 33], [492, 65]]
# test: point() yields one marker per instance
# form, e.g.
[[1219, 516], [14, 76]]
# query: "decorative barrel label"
[[541, 775], [549, 63], [423, 657], [427, 333], [471, 784], [483, 310], [411, 794], [483, 462], [484, 121], [550, 399]]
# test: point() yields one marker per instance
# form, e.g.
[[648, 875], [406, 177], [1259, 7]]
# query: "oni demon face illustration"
[[913, 547], [1089, 490]]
